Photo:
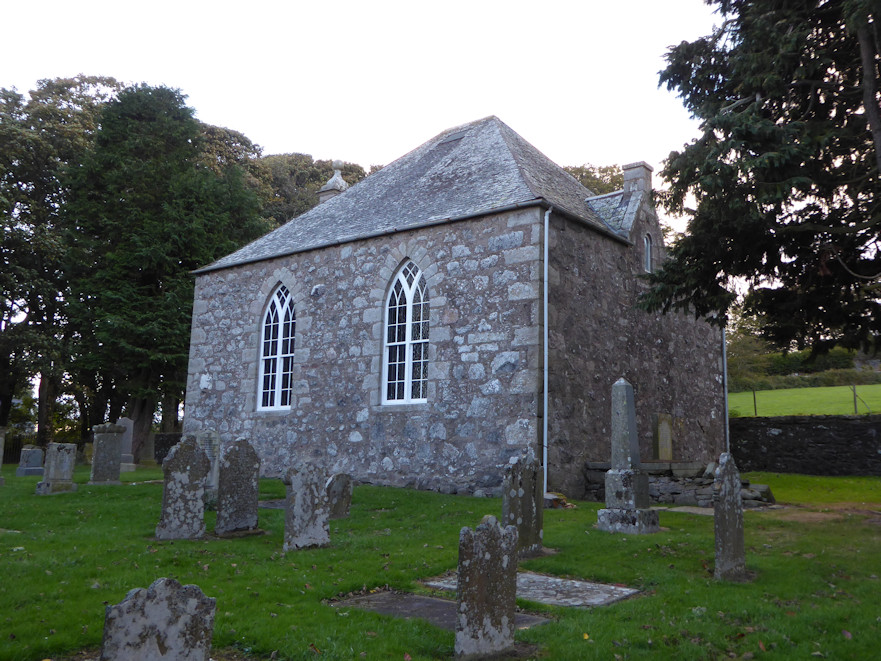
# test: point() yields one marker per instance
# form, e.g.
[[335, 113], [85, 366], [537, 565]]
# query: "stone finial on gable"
[[637, 177], [334, 186]]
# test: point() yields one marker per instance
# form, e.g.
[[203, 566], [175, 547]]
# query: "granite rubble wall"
[[484, 280], [810, 445]]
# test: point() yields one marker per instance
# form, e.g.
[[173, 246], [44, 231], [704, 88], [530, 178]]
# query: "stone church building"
[[466, 302]]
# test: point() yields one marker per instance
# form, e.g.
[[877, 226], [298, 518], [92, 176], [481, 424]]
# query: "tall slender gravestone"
[[523, 502], [127, 464], [728, 522], [238, 486], [60, 461], [339, 495], [183, 504], [306, 510], [31, 461], [106, 454], [486, 590], [627, 487], [165, 621]]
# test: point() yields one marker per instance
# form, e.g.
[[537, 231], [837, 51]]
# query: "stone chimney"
[[334, 186], [637, 177]]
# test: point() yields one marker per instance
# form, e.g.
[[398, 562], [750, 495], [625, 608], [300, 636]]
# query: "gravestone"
[[31, 462], [627, 487], [238, 486], [165, 621], [209, 441], [728, 522], [339, 495], [486, 590], [58, 477], [183, 504], [663, 437], [523, 502], [106, 454], [127, 460], [306, 509]]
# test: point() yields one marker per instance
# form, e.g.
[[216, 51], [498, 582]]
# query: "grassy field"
[[815, 593], [806, 401]]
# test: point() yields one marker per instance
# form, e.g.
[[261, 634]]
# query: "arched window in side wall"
[[277, 352], [405, 355], [647, 256]]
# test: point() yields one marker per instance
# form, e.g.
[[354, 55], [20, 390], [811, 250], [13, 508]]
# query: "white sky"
[[366, 81]]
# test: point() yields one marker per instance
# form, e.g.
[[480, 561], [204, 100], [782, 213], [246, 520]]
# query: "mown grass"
[[806, 401], [63, 557]]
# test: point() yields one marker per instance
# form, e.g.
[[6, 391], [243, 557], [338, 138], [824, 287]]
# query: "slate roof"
[[471, 170]]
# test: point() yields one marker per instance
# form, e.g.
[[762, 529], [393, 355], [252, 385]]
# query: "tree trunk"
[[45, 407], [170, 420], [870, 88], [141, 410]]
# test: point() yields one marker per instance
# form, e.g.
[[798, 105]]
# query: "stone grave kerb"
[[486, 590], [523, 502], [183, 503], [728, 522], [238, 488]]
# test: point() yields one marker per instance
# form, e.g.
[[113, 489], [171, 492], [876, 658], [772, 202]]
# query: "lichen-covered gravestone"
[[523, 502], [60, 461], [486, 591], [238, 487], [165, 621], [306, 509], [183, 505], [106, 454], [339, 495], [728, 522], [31, 461], [627, 487]]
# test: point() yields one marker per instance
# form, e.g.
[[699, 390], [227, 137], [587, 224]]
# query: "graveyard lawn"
[[63, 557]]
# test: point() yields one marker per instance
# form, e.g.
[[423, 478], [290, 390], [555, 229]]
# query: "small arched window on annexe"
[[277, 351], [405, 359], [647, 253]]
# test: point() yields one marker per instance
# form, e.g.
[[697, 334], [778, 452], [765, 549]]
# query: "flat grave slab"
[[439, 612], [554, 591]]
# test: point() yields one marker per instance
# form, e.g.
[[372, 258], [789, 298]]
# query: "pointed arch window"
[[405, 359], [277, 351], [647, 257]]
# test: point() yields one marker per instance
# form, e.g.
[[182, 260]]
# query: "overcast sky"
[[367, 81]]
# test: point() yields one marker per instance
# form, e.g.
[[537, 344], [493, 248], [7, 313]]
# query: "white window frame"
[[277, 338], [647, 262], [407, 338]]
